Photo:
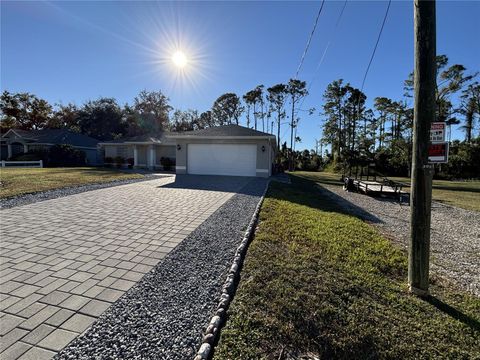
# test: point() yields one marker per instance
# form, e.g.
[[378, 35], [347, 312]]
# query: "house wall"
[[142, 155], [125, 151], [164, 151], [264, 158]]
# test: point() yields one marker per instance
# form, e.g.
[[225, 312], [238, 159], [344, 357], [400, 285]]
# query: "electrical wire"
[[324, 54], [376, 44], [309, 40]]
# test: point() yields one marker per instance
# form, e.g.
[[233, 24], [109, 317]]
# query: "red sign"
[[438, 153], [437, 132]]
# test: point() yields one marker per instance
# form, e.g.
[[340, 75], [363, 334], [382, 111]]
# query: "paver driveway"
[[64, 261]]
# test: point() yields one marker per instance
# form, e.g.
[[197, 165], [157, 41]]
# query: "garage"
[[222, 159], [231, 150]]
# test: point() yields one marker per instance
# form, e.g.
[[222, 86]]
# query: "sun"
[[179, 59]]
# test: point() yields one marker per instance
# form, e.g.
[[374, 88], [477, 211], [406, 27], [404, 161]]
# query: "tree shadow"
[[309, 193], [454, 313]]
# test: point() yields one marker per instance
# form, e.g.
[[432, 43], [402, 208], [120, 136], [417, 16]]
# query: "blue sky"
[[76, 51]]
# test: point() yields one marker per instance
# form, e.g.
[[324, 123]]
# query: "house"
[[145, 150], [16, 141], [223, 150]]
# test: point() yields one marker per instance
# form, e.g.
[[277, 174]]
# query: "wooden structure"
[[367, 181]]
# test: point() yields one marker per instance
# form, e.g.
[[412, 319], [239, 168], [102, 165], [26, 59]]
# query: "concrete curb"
[[212, 334]]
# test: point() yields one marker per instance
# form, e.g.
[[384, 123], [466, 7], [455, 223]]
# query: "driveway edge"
[[212, 333]]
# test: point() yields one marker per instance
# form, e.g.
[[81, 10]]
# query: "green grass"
[[463, 194], [319, 281], [19, 181]]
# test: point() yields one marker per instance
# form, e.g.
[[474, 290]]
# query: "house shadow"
[[454, 313], [234, 184]]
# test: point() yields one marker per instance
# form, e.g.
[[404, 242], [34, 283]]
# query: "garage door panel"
[[222, 159]]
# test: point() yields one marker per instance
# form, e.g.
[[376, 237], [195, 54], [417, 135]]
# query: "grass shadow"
[[454, 313], [321, 198]]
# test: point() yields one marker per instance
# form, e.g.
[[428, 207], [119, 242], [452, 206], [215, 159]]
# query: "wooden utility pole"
[[422, 171]]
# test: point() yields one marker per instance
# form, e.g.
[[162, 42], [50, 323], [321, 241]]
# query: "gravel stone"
[[56, 193], [164, 316], [454, 237]]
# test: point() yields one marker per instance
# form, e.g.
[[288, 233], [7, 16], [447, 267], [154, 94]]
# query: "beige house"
[[146, 151], [223, 150]]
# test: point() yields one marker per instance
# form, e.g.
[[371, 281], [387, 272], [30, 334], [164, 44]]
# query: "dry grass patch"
[[20, 181]]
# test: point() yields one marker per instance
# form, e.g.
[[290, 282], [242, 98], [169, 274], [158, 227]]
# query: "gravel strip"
[[165, 314], [56, 193], [454, 239]]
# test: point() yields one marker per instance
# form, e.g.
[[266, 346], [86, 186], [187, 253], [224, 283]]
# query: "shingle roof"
[[160, 138], [56, 136], [224, 130]]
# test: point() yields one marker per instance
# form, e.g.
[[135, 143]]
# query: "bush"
[[130, 162], [119, 160], [167, 163], [32, 156], [65, 155]]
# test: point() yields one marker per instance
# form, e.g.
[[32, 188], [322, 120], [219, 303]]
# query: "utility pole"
[[422, 172]]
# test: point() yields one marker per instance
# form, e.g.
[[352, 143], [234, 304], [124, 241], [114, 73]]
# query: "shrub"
[[32, 156], [130, 162], [65, 155], [167, 163], [119, 160]]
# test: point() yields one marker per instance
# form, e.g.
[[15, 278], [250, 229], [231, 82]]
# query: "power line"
[[309, 39], [324, 52], [376, 44]]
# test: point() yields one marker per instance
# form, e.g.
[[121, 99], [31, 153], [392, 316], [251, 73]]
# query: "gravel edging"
[[71, 190], [212, 333], [164, 315]]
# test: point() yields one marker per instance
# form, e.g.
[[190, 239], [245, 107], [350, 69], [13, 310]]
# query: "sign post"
[[422, 171], [438, 148]]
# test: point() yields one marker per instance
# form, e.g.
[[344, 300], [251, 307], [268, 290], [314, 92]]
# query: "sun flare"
[[179, 59]]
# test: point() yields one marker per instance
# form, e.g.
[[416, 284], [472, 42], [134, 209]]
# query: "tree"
[[205, 120], [449, 81], [184, 120], [226, 109], [276, 97], [252, 98], [334, 109], [470, 108], [66, 117], [24, 111], [153, 110], [102, 119], [297, 90]]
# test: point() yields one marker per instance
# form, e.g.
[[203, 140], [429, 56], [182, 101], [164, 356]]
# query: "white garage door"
[[222, 159]]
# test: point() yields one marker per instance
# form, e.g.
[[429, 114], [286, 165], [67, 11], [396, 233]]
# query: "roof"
[[151, 138], [54, 136], [234, 131]]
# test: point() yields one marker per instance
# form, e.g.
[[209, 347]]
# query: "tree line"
[[382, 134], [352, 133], [263, 108]]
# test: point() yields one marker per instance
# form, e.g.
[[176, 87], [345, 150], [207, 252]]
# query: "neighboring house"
[[223, 150], [16, 141]]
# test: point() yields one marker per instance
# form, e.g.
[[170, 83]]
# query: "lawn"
[[463, 194], [322, 283], [18, 181]]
